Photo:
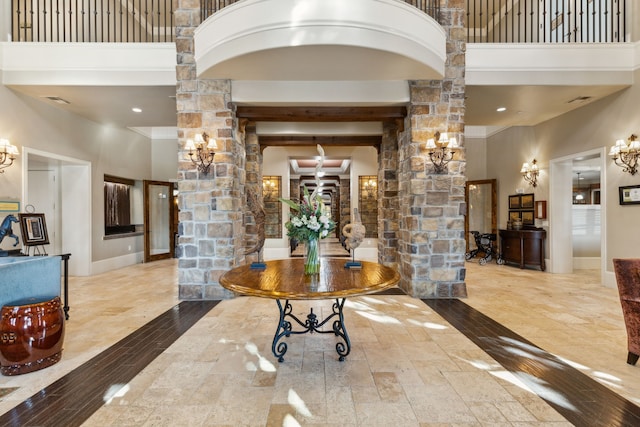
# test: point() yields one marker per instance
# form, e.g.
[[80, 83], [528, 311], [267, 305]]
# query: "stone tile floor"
[[408, 367]]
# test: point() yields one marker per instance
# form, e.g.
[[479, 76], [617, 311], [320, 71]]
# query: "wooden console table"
[[523, 247], [285, 280]]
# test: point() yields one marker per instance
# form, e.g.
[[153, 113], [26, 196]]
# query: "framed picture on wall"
[[541, 209], [527, 218], [526, 201], [630, 195], [34, 229], [514, 201], [515, 216]]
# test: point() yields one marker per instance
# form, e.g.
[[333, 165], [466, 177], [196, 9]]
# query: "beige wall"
[[593, 126], [476, 154], [506, 151], [27, 122], [164, 159]]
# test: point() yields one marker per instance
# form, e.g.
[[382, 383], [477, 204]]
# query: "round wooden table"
[[285, 280]]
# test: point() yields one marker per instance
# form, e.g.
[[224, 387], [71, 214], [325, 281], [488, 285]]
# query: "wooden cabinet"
[[523, 247]]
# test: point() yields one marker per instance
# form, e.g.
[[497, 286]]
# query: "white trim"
[[560, 228], [320, 40], [482, 131], [157, 132], [547, 63], [81, 64], [79, 241], [321, 93], [114, 263]]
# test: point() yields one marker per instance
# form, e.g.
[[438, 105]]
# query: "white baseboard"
[[115, 263], [609, 279]]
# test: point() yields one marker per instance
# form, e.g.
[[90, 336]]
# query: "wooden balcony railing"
[[488, 21]]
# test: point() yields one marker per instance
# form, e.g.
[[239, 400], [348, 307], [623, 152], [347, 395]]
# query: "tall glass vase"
[[312, 257]]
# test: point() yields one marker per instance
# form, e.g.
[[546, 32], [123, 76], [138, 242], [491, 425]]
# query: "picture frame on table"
[[629, 195], [34, 229]]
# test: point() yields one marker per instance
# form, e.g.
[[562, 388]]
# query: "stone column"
[[388, 203], [432, 207], [254, 184], [211, 205], [345, 204]]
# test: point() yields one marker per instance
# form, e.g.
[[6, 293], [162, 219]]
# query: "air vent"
[[579, 99], [57, 100]]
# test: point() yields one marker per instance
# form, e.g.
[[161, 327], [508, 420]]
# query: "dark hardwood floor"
[[580, 399]]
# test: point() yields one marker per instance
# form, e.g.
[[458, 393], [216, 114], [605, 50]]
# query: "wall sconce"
[[441, 149], [201, 151], [626, 155], [530, 173], [8, 153]]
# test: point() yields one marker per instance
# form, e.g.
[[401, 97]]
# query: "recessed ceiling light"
[[501, 109], [57, 100], [579, 99], [136, 110]]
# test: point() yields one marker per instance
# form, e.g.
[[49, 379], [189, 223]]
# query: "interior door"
[[43, 196], [159, 226]]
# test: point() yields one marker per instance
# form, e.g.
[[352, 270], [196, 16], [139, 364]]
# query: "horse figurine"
[[5, 228]]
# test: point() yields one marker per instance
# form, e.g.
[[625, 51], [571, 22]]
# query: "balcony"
[[487, 21], [338, 55]]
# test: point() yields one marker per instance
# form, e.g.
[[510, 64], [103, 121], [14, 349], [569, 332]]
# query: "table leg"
[[283, 330], [343, 349], [311, 325]]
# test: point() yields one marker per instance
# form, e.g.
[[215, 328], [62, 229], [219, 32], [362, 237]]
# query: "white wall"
[[476, 155], [506, 151], [164, 160], [32, 123], [594, 126]]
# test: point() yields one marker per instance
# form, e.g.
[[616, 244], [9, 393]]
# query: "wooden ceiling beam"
[[325, 141], [321, 114], [324, 178]]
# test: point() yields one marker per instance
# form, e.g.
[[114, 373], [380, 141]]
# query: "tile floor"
[[408, 366]]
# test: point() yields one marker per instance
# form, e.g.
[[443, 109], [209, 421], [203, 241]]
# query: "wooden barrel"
[[31, 335]]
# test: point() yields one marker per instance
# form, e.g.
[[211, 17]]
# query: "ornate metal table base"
[[310, 325]]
